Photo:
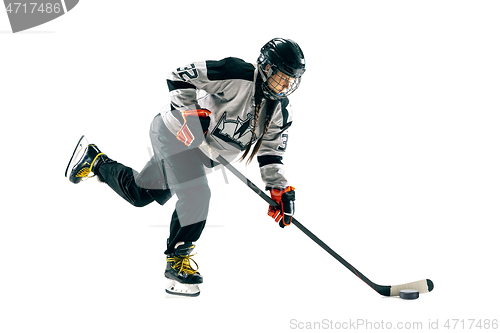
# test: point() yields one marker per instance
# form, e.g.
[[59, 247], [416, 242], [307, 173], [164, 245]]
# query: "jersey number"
[[285, 141], [190, 72]]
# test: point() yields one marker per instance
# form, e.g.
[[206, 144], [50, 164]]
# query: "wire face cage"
[[278, 85]]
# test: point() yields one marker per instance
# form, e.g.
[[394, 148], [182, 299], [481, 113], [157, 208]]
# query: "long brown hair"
[[268, 113]]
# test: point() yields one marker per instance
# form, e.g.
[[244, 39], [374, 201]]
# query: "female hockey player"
[[229, 105]]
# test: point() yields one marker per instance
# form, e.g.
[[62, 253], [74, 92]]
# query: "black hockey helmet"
[[285, 56]]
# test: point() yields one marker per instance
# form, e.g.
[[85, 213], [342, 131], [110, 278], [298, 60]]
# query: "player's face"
[[279, 82]]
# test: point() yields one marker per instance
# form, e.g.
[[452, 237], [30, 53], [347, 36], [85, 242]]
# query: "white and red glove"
[[196, 123], [283, 214]]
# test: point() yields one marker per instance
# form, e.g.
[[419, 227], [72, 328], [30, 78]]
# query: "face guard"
[[277, 85], [281, 64]]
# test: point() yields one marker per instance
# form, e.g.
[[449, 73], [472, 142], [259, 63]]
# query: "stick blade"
[[423, 286]]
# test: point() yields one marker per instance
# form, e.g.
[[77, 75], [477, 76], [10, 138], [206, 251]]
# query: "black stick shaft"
[[383, 290]]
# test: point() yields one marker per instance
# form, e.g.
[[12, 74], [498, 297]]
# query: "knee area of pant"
[[196, 193]]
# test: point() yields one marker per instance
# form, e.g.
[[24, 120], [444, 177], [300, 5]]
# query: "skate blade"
[[77, 155], [180, 289]]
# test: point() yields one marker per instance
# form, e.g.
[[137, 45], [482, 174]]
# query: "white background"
[[394, 152]]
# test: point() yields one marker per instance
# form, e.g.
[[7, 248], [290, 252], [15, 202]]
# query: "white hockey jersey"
[[227, 89]]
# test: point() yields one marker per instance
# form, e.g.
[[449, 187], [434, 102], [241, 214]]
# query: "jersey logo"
[[236, 133]]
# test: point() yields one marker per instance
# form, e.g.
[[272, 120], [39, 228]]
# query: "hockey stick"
[[423, 286]]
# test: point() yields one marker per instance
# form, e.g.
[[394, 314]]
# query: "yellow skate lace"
[[85, 172], [183, 264]]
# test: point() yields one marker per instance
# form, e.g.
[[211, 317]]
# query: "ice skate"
[[85, 159], [183, 280]]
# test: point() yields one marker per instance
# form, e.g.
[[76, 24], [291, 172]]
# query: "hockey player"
[[230, 105]]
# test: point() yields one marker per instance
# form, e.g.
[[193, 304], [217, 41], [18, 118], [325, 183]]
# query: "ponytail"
[[268, 113]]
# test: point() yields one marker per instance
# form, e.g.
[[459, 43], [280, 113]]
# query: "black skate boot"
[[84, 162], [182, 279]]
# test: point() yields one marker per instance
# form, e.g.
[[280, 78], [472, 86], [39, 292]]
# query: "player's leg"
[[185, 175], [122, 180], [192, 206], [189, 217], [139, 189], [153, 179]]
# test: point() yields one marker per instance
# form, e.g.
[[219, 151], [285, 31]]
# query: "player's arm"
[[183, 84], [270, 158], [186, 82]]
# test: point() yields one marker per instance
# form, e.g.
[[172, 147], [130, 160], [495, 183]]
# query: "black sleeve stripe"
[[269, 159], [284, 111], [285, 127], [230, 68], [174, 85]]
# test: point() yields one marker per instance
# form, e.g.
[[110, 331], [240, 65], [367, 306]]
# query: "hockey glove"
[[196, 122], [283, 213]]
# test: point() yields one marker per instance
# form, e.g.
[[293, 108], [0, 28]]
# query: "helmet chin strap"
[[268, 92], [265, 76]]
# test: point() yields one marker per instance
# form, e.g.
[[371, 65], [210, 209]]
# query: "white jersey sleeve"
[[225, 77], [273, 147]]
